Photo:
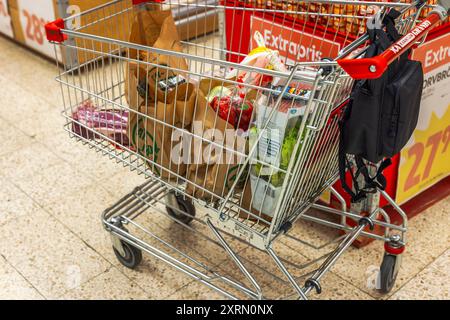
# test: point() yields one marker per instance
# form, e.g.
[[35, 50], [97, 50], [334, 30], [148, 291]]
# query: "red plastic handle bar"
[[53, 31], [372, 68], [136, 2]]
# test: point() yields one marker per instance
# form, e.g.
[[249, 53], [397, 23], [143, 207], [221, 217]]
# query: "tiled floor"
[[53, 190]]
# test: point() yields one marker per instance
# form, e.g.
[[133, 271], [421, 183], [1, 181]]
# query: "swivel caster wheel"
[[186, 210], [390, 264], [127, 254], [131, 256], [388, 273]]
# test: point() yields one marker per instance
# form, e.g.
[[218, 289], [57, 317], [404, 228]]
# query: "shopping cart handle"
[[372, 68]]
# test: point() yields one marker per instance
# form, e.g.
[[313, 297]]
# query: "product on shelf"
[[348, 19]]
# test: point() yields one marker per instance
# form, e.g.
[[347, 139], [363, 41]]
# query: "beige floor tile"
[[7, 46], [261, 266], [442, 264], [311, 239], [54, 183], [360, 266], [12, 138], [430, 284], [428, 235], [122, 182], [111, 285], [13, 286], [199, 238], [31, 72], [48, 255], [54, 260], [69, 149], [31, 111], [357, 265], [274, 283], [94, 164], [104, 169], [27, 161], [42, 123], [198, 291], [14, 203], [157, 278], [335, 288], [81, 211]]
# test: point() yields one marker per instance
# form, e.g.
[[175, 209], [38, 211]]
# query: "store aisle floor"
[[53, 191]]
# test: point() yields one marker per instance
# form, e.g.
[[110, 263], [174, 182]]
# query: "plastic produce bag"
[[90, 120]]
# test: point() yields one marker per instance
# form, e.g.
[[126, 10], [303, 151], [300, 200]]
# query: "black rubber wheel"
[[388, 275], [186, 206], [132, 258]]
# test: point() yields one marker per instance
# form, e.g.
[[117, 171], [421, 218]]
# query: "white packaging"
[[33, 17], [265, 196], [283, 119]]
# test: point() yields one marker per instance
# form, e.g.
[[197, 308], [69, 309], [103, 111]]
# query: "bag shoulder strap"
[[371, 184], [389, 23]]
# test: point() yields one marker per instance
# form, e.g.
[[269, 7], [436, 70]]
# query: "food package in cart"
[[92, 122], [278, 133], [260, 57]]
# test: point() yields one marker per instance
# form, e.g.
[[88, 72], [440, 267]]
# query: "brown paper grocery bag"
[[153, 125], [154, 29], [157, 132], [157, 114], [157, 29], [211, 168]]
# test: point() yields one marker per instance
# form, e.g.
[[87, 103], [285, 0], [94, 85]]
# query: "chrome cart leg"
[[394, 248], [314, 281], [115, 240], [287, 273], [399, 211], [235, 258], [341, 201]]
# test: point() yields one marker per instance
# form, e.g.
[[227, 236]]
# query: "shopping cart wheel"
[[132, 257], [388, 273], [184, 204]]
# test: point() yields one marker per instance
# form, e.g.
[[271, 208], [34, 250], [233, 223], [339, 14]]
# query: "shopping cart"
[[193, 216]]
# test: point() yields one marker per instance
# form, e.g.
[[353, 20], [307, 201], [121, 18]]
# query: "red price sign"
[[35, 27]]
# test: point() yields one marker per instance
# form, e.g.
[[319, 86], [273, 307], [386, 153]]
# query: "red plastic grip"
[[137, 2], [53, 31], [372, 68]]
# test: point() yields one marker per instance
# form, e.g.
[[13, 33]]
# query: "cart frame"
[[222, 224]]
